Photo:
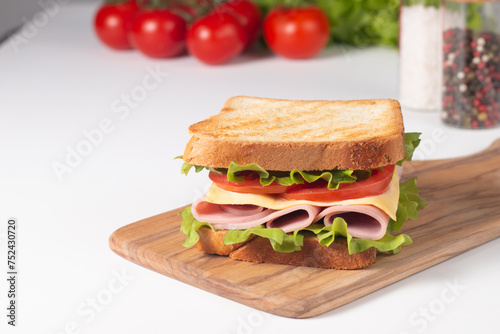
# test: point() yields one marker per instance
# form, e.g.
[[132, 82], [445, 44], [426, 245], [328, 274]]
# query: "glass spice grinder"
[[471, 63]]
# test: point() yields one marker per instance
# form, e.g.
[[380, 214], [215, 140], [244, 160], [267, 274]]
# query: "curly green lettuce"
[[333, 177]]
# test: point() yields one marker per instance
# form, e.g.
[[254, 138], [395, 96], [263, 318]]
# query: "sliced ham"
[[293, 218], [241, 216], [363, 221], [228, 216]]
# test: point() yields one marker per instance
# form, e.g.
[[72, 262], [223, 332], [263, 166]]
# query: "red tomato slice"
[[250, 186], [317, 191]]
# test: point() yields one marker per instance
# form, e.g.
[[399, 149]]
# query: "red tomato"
[[112, 23], [158, 33], [248, 14], [216, 38], [376, 184], [296, 32], [250, 186]]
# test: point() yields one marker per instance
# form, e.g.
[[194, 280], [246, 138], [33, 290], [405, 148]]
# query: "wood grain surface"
[[463, 212]]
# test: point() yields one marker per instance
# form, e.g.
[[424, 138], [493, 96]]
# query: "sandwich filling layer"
[[366, 217], [366, 207], [387, 201]]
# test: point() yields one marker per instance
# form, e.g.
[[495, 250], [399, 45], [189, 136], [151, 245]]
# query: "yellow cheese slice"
[[387, 202]]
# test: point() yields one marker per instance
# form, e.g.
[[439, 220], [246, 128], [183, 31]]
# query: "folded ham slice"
[[363, 221], [242, 216], [228, 216], [293, 218]]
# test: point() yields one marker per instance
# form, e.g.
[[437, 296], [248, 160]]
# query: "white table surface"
[[62, 83]]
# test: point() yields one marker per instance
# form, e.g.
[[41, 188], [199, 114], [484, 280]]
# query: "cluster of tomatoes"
[[213, 33]]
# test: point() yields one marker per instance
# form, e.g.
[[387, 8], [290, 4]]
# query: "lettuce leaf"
[[333, 177], [281, 241], [189, 226], [186, 167], [409, 204], [412, 139], [327, 234]]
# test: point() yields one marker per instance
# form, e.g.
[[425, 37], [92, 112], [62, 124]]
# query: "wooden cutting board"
[[463, 212]]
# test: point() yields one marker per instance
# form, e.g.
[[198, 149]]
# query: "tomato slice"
[[376, 184], [250, 186]]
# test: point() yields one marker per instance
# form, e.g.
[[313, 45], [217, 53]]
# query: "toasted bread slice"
[[312, 254], [283, 135], [212, 242]]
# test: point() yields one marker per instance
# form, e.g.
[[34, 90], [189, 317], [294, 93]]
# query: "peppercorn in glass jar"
[[471, 63]]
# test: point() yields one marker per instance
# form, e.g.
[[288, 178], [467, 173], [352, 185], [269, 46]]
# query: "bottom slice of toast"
[[212, 242], [312, 254]]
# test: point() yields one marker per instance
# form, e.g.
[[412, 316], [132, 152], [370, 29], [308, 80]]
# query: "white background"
[[61, 83]]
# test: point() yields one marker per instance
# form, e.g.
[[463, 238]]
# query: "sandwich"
[[305, 183]]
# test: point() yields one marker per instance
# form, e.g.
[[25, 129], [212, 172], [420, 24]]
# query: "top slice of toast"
[[306, 135]]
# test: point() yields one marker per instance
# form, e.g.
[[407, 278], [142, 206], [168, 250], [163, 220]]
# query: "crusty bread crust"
[[283, 135], [312, 254], [211, 241]]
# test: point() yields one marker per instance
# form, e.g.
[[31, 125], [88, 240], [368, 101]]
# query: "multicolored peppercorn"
[[471, 78]]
